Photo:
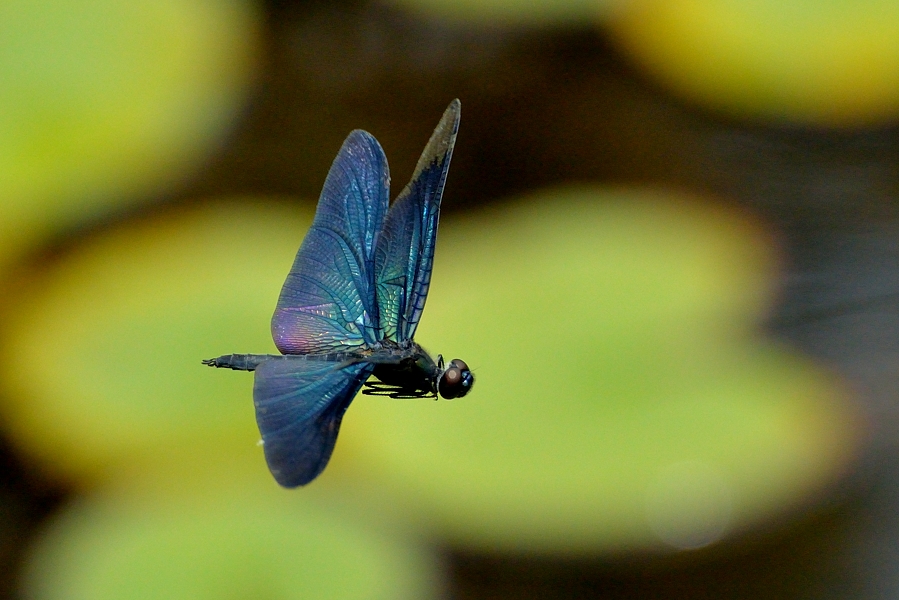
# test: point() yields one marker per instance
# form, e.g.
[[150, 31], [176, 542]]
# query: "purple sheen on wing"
[[297, 331]]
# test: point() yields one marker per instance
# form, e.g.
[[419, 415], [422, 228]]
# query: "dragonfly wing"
[[328, 302], [299, 407], [405, 252]]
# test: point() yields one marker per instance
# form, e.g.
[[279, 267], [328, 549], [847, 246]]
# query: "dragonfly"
[[350, 306]]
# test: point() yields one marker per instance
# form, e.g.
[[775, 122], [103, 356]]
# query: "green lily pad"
[[622, 397], [108, 341], [240, 540], [830, 63], [103, 102]]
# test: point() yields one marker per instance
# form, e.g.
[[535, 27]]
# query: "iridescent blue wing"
[[299, 406], [405, 252], [328, 302]]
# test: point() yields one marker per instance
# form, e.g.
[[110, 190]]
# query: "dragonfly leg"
[[379, 388]]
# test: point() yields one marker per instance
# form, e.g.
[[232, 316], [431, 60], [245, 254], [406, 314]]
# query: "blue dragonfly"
[[350, 306]]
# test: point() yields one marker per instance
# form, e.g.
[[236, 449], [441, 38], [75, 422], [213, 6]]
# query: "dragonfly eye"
[[456, 380], [459, 364]]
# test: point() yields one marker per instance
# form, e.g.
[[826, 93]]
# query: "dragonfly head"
[[456, 380]]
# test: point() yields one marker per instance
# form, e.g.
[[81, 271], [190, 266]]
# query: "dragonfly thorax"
[[410, 369], [405, 370]]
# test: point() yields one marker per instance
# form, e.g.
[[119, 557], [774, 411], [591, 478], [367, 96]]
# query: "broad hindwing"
[[328, 302], [299, 407], [405, 252]]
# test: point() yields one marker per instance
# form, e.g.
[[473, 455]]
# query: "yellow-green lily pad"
[[623, 397], [105, 101], [105, 345], [239, 540], [830, 63]]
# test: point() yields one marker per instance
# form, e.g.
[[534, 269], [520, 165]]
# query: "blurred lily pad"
[[108, 340], [226, 541], [825, 63], [104, 101], [623, 397]]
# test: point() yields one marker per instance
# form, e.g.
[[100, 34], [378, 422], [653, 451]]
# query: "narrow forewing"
[[405, 251]]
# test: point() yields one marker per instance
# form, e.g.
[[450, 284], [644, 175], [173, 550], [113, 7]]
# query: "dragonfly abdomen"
[[239, 362], [249, 362]]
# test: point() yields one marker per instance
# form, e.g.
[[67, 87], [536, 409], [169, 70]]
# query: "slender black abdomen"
[[249, 362], [239, 362]]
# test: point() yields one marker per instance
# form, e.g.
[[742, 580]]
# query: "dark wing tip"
[[449, 121], [440, 146], [209, 362]]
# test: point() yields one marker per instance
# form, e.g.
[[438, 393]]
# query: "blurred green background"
[[668, 251]]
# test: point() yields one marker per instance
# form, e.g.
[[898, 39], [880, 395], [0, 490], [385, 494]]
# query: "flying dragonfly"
[[350, 306]]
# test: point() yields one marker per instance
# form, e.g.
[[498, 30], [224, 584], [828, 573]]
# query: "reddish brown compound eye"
[[452, 376], [456, 381], [459, 364]]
